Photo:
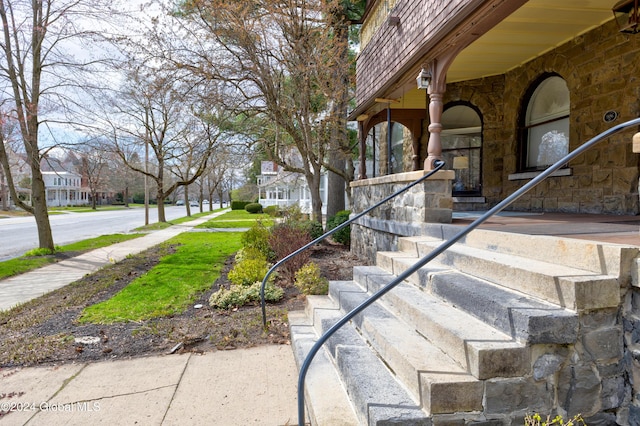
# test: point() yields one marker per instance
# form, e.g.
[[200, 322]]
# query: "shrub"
[[285, 239], [258, 237], [342, 236], [253, 208], [239, 205], [237, 296], [248, 271], [537, 420], [293, 214], [272, 211], [313, 227], [249, 253], [309, 280]]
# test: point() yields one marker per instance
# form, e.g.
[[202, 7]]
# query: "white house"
[[64, 189], [277, 187]]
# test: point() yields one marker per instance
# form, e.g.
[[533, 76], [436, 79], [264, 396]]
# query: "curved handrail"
[[441, 248], [438, 165]]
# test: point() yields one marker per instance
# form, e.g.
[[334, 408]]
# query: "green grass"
[[35, 259], [237, 219], [173, 284]]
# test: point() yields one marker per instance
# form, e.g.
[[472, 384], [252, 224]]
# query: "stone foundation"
[[405, 215]]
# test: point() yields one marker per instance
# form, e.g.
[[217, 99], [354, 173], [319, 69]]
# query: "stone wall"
[[428, 202], [602, 71]]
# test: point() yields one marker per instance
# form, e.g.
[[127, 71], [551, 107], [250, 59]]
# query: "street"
[[19, 234]]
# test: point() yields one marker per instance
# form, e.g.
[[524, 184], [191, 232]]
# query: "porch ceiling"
[[532, 30]]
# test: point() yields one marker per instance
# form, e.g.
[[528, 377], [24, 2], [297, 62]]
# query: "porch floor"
[[605, 228]]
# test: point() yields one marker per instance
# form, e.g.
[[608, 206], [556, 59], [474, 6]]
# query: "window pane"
[[549, 101], [548, 143]]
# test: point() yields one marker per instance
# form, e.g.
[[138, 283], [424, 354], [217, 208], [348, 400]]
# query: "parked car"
[[180, 203], [194, 203]]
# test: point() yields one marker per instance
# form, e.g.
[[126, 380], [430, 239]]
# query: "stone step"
[[327, 401], [431, 376], [374, 391], [525, 319], [478, 348], [597, 257], [565, 286]]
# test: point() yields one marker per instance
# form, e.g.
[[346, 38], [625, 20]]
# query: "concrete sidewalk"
[[254, 386], [246, 386]]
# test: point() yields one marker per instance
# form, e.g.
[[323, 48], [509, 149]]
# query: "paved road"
[[18, 235]]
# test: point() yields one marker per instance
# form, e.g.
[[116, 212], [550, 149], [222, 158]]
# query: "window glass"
[[397, 145], [547, 124], [462, 147]]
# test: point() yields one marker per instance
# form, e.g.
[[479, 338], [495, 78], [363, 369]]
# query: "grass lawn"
[[237, 219], [173, 284], [33, 260]]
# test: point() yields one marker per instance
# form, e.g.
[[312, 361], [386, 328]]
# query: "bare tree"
[[94, 167], [159, 113], [39, 71], [277, 57]]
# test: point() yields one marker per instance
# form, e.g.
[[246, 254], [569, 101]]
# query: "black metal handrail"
[[440, 249], [438, 165]]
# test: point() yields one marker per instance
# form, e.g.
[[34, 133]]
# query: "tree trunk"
[[161, 216], [335, 185], [40, 213]]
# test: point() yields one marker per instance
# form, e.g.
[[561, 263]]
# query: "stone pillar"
[[404, 215]]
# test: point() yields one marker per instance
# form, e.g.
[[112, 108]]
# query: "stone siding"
[[602, 71], [428, 202]]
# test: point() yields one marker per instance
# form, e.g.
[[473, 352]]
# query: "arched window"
[[545, 136], [462, 148], [397, 147]]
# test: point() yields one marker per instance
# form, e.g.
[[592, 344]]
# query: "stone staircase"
[[498, 326]]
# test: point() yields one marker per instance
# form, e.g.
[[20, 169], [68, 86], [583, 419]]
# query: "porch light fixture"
[[424, 79], [627, 16]]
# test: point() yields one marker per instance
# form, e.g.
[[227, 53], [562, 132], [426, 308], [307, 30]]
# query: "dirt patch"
[[46, 331]]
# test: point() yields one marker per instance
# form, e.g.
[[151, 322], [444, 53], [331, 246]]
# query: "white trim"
[[531, 175]]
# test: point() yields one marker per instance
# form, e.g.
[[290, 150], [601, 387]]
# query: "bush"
[[272, 211], [293, 214], [285, 239], [313, 227], [249, 253], [258, 237], [237, 296], [248, 271], [253, 208], [239, 205], [537, 420], [309, 280], [342, 236]]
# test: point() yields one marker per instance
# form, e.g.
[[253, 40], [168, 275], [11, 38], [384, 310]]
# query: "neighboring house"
[[501, 325], [64, 189], [64, 185], [277, 187]]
